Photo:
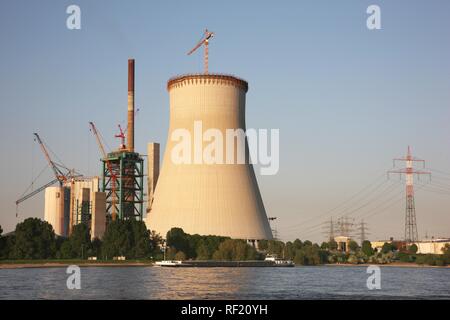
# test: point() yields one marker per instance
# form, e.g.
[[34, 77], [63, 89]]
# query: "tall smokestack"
[[130, 133]]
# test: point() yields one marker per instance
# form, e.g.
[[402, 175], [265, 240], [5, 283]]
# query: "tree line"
[[36, 239]]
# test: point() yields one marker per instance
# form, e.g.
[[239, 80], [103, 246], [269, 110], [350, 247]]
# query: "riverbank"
[[392, 264], [138, 263], [65, 263]]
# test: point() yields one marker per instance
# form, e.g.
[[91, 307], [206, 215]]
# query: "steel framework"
[[127, 196], [411, 234]]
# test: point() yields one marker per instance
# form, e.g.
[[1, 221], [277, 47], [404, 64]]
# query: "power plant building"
[[208, 199]]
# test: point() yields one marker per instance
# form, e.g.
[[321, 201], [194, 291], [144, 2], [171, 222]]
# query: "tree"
[[65, 251], [80, 241], [34, 239], [366, 248], [234, 250], [413, 248], [387, 247], [178, 239], [324, 245], [202, 251], [353, 246], [2, 244], [180, 256], [332, 245], [129, 238]]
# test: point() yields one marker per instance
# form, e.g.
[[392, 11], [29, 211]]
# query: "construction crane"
[[60, 176], [121, 136], [110, 169], [204, 41]]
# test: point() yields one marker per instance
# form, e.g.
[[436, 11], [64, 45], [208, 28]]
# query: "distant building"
[[433, 246], [342, 243], [378, 244]]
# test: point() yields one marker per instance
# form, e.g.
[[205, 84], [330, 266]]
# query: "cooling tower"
[[207, 199]]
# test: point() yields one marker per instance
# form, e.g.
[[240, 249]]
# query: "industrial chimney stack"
[[130, 133]]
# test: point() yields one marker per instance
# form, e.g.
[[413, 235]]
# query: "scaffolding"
[[126, 192]]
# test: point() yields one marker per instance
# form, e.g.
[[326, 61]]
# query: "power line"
[[368, 187]]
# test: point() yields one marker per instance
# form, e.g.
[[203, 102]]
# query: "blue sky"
[[346, 99]]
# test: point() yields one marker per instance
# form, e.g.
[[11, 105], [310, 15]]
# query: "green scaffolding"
[[128, 167]]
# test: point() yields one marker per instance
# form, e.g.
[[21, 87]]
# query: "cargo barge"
[[270, 261]]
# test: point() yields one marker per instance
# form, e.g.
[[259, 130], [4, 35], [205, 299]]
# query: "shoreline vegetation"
[[130, 243], [87, 263]]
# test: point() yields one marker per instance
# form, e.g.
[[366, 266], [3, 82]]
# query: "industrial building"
[[77, 201], [208, 199]]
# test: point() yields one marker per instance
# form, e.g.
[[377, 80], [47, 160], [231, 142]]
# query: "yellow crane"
[[204, 41]]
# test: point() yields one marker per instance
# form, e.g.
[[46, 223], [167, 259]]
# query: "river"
[[324, 282]]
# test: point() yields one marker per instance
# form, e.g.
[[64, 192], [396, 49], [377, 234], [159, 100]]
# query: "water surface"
[[324, 282]]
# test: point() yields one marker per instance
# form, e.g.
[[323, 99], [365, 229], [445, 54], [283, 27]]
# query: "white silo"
[[207, 199], [56, 210]]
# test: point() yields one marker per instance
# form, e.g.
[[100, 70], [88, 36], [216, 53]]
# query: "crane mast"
[[204, 41], [110, 169]]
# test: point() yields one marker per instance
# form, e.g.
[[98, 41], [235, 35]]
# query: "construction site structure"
[[204, 41], [153, 158], [123, 169]]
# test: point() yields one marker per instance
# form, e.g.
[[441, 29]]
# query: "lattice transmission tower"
[[411, 234]]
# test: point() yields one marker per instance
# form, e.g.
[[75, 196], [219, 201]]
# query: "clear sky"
[[346, 99]]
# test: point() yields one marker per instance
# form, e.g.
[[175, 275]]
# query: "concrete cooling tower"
[[207, 199]]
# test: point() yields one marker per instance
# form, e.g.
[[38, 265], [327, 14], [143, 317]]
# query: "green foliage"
[[34, 239], [387, 247], [202, 251], [332, 245], [366, 248], [353, 246], [324, 246], [432, 259], [234, 250], [80, 241], [309, 255], [178, 239], [180, 256], [413, 248], [1, 231], [193, 246], [129, 238], [275, 247]]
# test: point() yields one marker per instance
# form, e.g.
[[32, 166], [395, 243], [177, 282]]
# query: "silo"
[[207, 199], [56, 210]]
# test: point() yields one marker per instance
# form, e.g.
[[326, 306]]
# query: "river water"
[[324, 282]]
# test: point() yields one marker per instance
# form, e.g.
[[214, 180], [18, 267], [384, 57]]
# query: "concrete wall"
[[98, 225], [208, 199], [153, 156], [433, 247]]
